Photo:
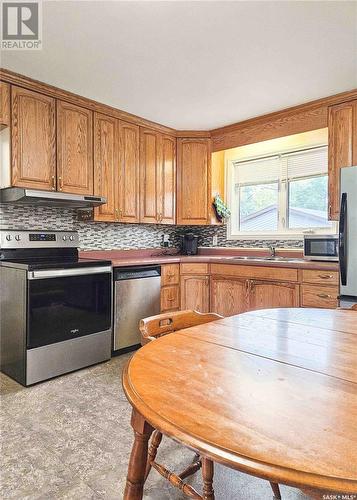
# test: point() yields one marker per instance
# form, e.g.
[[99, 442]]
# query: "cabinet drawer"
[[322, 277], [194, 268], [170, 298], [170, 274], [318, 296]]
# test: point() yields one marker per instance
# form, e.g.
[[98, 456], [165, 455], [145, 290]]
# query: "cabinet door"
[[195, 293], [170, 298], [193, 181], [33, 140], [269, 294], [342, 126], [4, 105], [128, 185], [167, 181], [74, 149], [106, 165], [228, 296], [149, 179]]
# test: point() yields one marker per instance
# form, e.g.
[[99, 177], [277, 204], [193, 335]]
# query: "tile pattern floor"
[[70, 438]]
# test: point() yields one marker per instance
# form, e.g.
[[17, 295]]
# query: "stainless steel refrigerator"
[[348, 237]]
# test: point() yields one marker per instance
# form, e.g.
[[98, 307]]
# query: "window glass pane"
[[259, 207], [308, 203]]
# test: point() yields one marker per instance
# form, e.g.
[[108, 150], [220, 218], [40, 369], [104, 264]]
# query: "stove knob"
[[64, 238], [8, 237], [71, 238], [17, 237]]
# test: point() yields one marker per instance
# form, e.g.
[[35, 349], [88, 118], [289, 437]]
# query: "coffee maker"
[[189, 244]]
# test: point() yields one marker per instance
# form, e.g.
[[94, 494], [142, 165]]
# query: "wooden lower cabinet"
[[270, 294], [195, 293], [319, 296], [230, 291], [228, 296], [170, 298], [170, 274]]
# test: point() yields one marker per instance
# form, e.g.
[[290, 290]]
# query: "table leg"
[[135, 478], [207, 476]]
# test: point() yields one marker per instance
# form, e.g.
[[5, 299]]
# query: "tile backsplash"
[[108, 236]]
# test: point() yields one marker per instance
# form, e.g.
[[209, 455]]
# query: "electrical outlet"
[[215, 240], [165, 240]]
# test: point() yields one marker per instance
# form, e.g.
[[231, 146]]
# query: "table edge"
[[271, 472]]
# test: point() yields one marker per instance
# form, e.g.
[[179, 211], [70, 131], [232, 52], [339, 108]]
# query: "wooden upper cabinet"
[[228, 296], [167, 181], [149, 169], [33, 140], [106, 165], [4, 105], [128, 182], [74, 149], [195, 293], [265, 294], [193, 181], [342, 146]]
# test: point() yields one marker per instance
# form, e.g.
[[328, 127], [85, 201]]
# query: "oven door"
[[65, 304]]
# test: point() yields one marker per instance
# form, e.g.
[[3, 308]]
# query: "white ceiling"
[[196, 65]]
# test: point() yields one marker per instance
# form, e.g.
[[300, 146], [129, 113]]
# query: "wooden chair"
[[155, 327]]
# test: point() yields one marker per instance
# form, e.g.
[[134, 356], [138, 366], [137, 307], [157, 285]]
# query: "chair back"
[[154, 327]]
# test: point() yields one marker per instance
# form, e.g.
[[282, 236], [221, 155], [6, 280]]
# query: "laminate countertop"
[[123, 258]]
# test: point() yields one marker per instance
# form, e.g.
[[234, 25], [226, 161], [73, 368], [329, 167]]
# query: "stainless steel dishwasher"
[[136, 296]]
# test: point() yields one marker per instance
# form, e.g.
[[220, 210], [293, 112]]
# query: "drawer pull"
[[324, 296], [171, 299], [325, 276]]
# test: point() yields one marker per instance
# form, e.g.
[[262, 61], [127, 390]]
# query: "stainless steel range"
[[56, 308]]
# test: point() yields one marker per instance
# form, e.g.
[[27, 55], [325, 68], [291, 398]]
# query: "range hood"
[[23, 196]]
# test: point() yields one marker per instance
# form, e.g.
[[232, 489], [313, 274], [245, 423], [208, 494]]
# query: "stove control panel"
[[14, 238]]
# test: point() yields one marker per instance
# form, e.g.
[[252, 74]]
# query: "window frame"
[[283, 232]]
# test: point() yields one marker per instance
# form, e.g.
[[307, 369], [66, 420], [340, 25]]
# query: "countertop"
[[121, 258]]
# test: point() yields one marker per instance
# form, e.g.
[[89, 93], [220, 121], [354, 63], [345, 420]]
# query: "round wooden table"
[[272, 393]]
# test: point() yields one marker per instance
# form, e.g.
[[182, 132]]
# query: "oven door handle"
[[64, 273]]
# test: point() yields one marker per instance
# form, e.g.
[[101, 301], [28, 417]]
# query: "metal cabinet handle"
[[324, 296], [53, 178], [329, 210], [325, 276], [60, 183]]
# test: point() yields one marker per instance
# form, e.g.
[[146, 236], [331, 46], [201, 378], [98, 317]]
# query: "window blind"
[[306, 163], [262, 170], [295, 165]]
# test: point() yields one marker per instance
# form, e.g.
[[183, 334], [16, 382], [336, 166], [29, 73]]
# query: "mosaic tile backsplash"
[[109, 236]]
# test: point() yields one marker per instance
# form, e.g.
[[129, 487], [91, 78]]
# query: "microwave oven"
[[321, 247]]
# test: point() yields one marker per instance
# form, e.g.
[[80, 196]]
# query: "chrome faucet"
[[272, 251]]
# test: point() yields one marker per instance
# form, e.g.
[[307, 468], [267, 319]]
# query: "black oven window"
[[67, 307]]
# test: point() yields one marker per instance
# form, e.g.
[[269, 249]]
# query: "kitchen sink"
[[264, 259]]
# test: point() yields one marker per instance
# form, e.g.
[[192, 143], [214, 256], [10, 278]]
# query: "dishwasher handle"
[[138, 272]]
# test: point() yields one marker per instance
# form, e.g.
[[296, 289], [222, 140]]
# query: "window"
[[280, 196]]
